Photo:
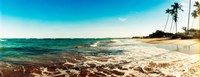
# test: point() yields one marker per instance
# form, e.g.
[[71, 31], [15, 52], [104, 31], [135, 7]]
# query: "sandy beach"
[[185, 43]]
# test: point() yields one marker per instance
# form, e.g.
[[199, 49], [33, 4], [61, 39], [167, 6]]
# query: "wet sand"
[[183, 45], [188, 42]]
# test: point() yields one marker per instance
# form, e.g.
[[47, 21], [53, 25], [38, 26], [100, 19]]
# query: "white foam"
[[141, 56], [95, 44], [114, 40], [2, 40]]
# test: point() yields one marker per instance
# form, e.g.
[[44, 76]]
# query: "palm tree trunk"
[[176, 27], [192, 23], [166, 22], [199, 23], [173, 28], [187, 30], [171, 25], [199, 27]]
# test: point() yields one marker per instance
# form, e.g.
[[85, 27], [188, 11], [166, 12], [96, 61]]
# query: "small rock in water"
[[51, 69], [148, 69], [92, 65], [121, 68], [11, 73], [101, 60], [117, 72], [60, 76], [112, 67], [72, 60], [79, 47], [130, 75], [73, 75], [84, 73], [68, 65], [103, 70], [92, 75], [99, 74], [160, 65]]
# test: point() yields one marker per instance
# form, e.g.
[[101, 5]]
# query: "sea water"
[[82, 56]]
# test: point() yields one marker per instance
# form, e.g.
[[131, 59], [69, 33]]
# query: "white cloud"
[[122, 19]]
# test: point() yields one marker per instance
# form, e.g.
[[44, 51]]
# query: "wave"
[[114, 40], [95, 44], [2, 40]]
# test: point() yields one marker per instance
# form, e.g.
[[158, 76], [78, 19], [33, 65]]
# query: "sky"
[[86, 18]]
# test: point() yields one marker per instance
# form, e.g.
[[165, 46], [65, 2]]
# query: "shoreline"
[[187, 42], [194, 66], [183, 45]]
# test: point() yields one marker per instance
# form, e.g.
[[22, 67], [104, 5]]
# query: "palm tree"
[[185, 29], [172, 22], [176, 7], [171, 26], [194, 15], [168, 11], [188, 26], [196, 12]]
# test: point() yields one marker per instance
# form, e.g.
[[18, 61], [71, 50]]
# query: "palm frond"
[[194, 14]]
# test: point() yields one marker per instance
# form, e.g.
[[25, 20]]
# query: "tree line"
[[174, 11]]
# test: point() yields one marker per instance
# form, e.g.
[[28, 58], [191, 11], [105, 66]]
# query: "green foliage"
[[160, 34], [175, 7]]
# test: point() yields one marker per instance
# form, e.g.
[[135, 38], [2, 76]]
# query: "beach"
[[186, 44], [95, 58], [99, 38]]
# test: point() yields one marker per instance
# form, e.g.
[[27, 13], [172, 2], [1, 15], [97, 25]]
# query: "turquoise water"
[[32, 49], [26, 47], [25, 57]]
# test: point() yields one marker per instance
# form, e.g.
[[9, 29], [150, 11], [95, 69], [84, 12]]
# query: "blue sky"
[[82, 18]]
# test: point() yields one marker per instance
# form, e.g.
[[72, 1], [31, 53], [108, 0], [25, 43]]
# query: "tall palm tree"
[[168, 11], [176, 7], [172, 22], [188, 25], [196, 12], [194, 15]]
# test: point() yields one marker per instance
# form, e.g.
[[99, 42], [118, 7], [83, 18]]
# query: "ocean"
[[91, 57]]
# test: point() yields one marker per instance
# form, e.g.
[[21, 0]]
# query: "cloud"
[[122, 19]]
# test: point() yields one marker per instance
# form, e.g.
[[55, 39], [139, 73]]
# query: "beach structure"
[[193, 32]]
